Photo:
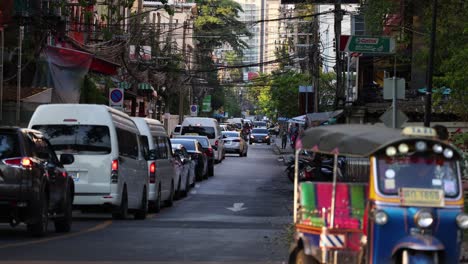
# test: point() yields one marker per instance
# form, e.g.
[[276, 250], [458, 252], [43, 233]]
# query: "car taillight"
[[209, 152], [115, 171], [152, 170], [23, 162]]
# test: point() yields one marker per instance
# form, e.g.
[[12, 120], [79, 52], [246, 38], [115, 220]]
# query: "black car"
[[259, 135], [197, 154], [205, 142], [34, 186]]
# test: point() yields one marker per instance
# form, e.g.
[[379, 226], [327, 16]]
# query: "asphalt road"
[[241, 215]]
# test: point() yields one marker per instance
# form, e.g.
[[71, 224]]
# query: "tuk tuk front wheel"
[[302, 258], [414, 257]]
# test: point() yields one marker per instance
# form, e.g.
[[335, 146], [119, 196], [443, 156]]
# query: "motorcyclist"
[[245, 132]]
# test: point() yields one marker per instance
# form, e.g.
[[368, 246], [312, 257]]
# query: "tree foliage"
[[217, 23]]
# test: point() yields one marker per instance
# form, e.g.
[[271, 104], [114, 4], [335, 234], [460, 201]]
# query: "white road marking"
[[237, 207]]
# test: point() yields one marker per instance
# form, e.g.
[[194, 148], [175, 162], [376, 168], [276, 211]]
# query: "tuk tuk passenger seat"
[[349, 207]]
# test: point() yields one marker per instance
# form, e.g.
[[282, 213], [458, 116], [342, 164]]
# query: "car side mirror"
[[66, 159]]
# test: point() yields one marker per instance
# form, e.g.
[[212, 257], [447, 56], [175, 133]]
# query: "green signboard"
[[367, 44], [206, 104]]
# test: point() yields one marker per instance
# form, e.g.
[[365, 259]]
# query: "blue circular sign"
[[193, 108], [116, 96]]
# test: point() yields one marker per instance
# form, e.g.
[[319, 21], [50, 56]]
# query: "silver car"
[[186, 169], [234, 143]]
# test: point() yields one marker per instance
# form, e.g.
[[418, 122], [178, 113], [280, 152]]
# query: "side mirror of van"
[[152, 155], [66, 159]]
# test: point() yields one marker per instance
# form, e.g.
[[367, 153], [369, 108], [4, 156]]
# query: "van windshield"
[[199, 130], [78, 139]]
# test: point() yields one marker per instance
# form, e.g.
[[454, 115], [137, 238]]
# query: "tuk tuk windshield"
[[417, 171]]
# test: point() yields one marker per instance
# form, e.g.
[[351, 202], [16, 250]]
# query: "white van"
[[209, 127], [163, 179], [110, 168]]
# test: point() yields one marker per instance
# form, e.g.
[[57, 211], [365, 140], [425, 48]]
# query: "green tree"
[[217, 23]]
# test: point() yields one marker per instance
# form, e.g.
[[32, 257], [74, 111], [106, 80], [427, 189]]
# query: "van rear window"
[[199, 130], [78, 139]]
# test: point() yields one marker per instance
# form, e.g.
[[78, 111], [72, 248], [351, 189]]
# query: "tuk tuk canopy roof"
[[354, 140]]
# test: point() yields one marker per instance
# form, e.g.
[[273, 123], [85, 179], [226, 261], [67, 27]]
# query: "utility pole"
[[2, 44], [181, 97], [317, 61], [430, 68], [337, 26], [18, 90]]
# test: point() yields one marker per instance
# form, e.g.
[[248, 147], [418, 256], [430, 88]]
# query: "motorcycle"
[[312, 168]]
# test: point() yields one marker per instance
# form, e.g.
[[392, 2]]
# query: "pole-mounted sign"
[[367, 44], [116, 97]]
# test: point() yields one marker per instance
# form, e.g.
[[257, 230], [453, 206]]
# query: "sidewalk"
[[277, 147]]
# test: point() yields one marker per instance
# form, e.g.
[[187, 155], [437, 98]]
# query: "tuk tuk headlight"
[[424, 219], [421, 146], [437, 148], [391, 151], [462, 221], [448, 153], [403, 148], [380, 217]]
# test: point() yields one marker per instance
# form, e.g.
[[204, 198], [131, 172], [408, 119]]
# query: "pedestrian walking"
[[284, 138], [294, 133]]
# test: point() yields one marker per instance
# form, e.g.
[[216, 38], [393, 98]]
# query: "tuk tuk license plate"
[[422, 197]]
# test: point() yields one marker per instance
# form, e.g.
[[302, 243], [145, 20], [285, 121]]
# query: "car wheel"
[[198, 174], [187, 187], [211, 170], [302, 258], [121, 212], [63, 224], [141, 213], [156, 204], [205, 176], [178, 192], [41, 212], [170, 201]]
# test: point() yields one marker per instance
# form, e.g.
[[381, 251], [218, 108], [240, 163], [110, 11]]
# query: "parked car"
[[259, 124], [205, 142], [110, 170], [195, 150], [186, 169], [234, 143], [259, 135], [176, 131], [163, 178], [34, 184], [209, 127]]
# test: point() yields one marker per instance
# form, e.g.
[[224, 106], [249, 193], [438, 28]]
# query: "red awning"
[[74, 56], [103, 66]]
